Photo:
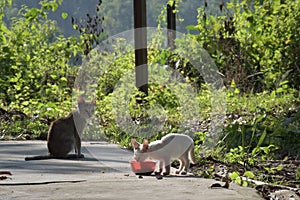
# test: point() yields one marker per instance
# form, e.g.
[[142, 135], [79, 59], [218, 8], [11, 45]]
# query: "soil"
[[274, 175]]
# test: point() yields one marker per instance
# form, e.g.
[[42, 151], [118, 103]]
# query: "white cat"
[[171, 146]]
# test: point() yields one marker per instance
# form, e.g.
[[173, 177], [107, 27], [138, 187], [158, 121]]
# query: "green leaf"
[[191, 28], [234, 175], [245, 184], [32, 13], [238, 180], [25, 103], [64, 15], [298, 174], [249, 174], [63, 81], [49, 5], [262, 138], [54, 76]]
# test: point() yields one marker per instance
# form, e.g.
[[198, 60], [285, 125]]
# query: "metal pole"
[[140, 43], [171, 25]]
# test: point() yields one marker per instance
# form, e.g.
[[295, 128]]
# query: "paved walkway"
[[104, 173]]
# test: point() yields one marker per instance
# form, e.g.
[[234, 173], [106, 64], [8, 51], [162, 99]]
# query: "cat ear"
[[145, 145], [135, 143], [94, 100], [80, 100]]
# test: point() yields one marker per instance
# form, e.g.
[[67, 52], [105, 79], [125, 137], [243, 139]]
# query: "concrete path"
[[104, 173]]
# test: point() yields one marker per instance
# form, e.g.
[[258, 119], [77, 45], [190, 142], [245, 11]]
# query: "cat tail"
[[192, 154], [49, 156], [41, 157]]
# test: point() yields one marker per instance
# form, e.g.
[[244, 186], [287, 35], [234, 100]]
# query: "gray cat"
[[64, 133]]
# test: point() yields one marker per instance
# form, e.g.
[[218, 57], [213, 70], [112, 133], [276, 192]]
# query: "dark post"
[[171, 25], [140, 44]]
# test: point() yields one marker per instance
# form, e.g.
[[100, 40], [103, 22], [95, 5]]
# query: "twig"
[[260, 183], [6, 172]]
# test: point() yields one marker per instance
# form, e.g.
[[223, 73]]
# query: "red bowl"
[[143, 168]]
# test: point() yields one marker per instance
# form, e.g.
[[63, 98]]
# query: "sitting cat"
[[64, 133], [171, 146]]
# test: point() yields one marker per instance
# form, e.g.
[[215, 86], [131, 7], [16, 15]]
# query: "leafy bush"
[[34, 61], [254, 43], [36, 76]]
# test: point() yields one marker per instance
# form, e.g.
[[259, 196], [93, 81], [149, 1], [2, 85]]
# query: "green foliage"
[[242, 180], [298, 174], [254, 122], [242, 156], [262, 119], [35, 75], [32, 46], [254, 43]]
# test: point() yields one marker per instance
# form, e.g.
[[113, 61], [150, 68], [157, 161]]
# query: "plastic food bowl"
[[143, 168]]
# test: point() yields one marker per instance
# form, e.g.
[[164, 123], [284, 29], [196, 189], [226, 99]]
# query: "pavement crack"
[[40, 183]]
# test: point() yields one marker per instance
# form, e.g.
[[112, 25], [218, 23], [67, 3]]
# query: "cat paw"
[[81, 156], [166, 173], [183, 173], [177, 172], [157, 173]]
